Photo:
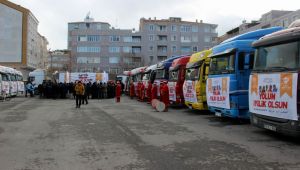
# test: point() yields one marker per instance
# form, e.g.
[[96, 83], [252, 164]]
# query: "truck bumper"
[[288, 127], [196, 106], [232, 113]]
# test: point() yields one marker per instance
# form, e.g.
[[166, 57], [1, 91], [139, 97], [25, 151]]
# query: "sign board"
[[217, 92], [172, 91], [189, 91], [274, 95], [83, 77]]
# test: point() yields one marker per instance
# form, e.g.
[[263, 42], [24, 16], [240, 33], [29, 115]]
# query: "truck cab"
[[149, 76], [136, 77], [274, 82], [176, 80], [194, 87], [228, 79], [162, 71]]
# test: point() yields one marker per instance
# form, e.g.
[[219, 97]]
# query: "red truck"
[[176, 80]]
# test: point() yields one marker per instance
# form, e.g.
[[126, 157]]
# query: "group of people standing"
[[84, 91], [151, 92]]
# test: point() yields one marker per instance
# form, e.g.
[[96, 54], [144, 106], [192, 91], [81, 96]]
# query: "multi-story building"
[[23, 47], [269, 19], [96, 46], [59, 60], [172, 37]]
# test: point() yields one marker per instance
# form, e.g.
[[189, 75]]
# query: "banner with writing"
[[172, 91], [189, 91], [274, 95], [217, 92]]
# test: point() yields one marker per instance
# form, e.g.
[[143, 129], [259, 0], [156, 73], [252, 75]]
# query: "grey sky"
[[54, 15]]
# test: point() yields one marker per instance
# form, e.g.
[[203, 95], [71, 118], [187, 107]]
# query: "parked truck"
[[176, 80], [194, 87], [148, 77], [228, 79], [274, 83], [162, 71]]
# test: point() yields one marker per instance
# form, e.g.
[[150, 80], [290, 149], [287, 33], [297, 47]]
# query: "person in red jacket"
[[138, 90], [118, 91], [142, 91], [149, 91], [131, 90], [165, 94], [154, 91]]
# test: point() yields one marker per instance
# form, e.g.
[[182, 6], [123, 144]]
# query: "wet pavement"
[[52, 134]]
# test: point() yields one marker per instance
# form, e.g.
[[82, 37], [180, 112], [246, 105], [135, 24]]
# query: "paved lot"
[[53, 134]]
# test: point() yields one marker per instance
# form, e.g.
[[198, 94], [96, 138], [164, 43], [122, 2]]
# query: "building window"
[[185, 28], [151, 58], [186, 39], [173, 28], [126, 49], [174, 38], [174, 49], [114, 60], [185, 49], [151, 48], [162, 49], [136, 50], [114, 70], [151, 37], [151, 27], [114, 49], [81, 60], [195, 28], [82, 38], [162, 27], [195, 49], [207, 28], [162, 38], [285, 23], [98, 26], [161, 58], [88, 49], [114, 38], [195, 38], [93, 38], [207, 39], [93, 60], [127, 39]]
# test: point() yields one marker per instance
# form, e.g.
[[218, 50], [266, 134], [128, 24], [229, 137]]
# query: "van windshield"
[[173, 75], [192, 73], [223, 64], [4, 77], [146, 76], [282, 56]]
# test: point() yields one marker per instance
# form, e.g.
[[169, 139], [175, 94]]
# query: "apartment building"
[[97, 47], [23, 48], [59, 60], [270, 19], [164, 38]]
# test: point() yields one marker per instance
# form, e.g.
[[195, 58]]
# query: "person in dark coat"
[[84, 97], [94, 90], [118, 91]]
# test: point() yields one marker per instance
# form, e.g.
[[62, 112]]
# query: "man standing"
[[118, 92], [165, 95], [131, 90], [79, 90], [154, 91]]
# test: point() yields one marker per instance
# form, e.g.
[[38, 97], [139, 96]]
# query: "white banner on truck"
[[274, 95], [217, 92], [172, 91], [189, 91]]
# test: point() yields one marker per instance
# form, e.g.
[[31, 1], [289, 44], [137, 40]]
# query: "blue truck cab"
[[228, 80], [162, 71]]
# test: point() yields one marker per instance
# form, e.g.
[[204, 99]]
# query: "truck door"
[[245, 65]]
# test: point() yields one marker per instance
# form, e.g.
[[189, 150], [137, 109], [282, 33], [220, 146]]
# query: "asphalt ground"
[[52, 134]]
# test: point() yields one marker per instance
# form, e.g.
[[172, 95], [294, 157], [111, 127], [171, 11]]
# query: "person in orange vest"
[[118, 91], [165, 95], [142, 91], [79, 91], [131, 90], [149, 91], [154, 91]]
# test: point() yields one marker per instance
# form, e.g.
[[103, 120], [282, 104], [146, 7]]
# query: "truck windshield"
[[160, 74], [12, 77], [282, 56], [146, 76], [192, 73], [4, 77], [174, 75], [222, 64]]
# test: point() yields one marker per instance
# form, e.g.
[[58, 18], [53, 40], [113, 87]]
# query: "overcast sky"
[[53, 15]]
